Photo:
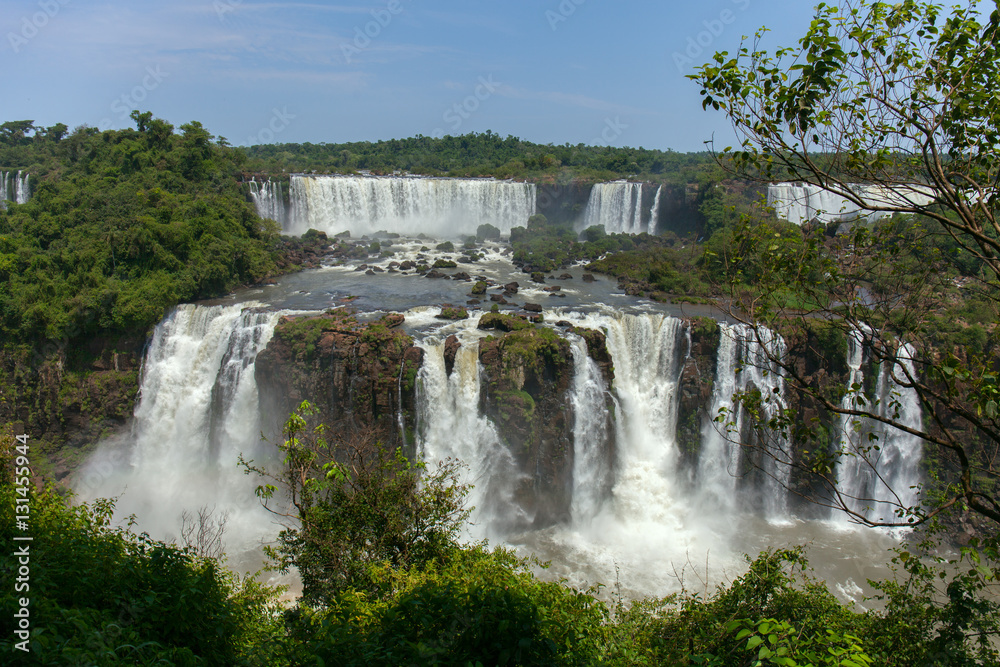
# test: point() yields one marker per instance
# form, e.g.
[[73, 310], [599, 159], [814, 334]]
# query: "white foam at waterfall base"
[[197, 412], [647, 532], [446, 207], [451, 426]]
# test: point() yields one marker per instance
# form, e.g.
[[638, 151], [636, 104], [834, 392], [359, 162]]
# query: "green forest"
[[120, 227], [487, 154]]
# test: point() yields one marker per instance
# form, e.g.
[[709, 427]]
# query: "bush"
[[102, 595], [481, 607], [359, 506]]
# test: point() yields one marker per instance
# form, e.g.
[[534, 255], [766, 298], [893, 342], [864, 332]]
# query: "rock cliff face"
[[356, 374], [529, 374], [66, 400], [697, 378]]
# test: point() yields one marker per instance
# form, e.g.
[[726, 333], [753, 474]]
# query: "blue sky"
[[591, 71]]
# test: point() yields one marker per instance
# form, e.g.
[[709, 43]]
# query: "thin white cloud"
[[340, 79], [568, 99]]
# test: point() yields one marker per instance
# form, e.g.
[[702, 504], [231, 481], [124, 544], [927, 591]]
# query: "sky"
[[549, 71]]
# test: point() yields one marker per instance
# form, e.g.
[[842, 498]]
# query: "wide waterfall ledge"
[[406, 205], [616, 464], [800, 203]]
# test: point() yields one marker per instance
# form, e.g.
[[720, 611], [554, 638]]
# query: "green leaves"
[[122, 226]]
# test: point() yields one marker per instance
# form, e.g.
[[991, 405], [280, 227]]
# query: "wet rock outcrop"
[[66, 400], [529, 374], [357, 374], [697, 380]]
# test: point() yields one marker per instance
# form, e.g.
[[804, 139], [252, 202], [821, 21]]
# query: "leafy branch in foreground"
[[890, 107], [354, 505]]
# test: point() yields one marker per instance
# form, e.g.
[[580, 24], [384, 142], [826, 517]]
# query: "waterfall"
[[719, 459], [449, 425], [197, 412], [21, 190], [14, 188], [268, 200], [853, 473], [803, 202], [746, 361], [615, 206], [591, 464], [447, 207], [654, 216], [647, 351], [880, 468], [760, 369]]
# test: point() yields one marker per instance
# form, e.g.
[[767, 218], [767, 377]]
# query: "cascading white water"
[[21, 189], [760, 369], [719, 458], [853, 473], [267, 198], [801, 202], [880, 470], [654, 215], [449, 425], [591, 464], [14, 188], [647, 351], [197, 412], [746, 360], [448, 207], [615, 206]]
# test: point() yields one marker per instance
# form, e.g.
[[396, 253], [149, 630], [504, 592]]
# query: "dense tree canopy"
[[121, 226], [484, 154]]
